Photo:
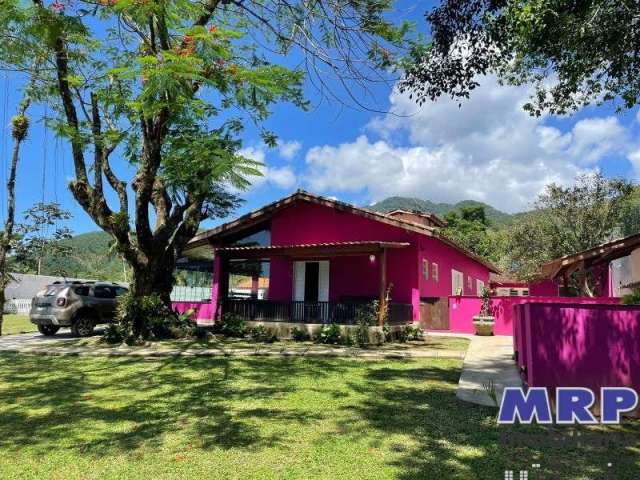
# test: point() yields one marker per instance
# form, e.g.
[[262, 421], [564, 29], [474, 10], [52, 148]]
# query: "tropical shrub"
[[148, 311], [262, 334], [366, 316], [347, 340], [231, 325], [413, 332], [632, 299], [329, 334], [299, 335], [112, 334]]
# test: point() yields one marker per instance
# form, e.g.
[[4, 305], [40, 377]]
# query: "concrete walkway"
[[64, 344], [488, 366]]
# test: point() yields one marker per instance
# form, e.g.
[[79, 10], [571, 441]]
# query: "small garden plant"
[[413, 332], [231, 325], [262, 334], [632, 298], [485, 309], [299, 335], [366, 316], [329, 334]]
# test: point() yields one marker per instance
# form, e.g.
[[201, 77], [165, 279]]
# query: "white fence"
[[17, 305], [182, 293]]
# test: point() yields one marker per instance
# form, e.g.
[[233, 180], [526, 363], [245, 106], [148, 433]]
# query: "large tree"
[[41, 234], [167, 85], [471, 229], [567, 220], [575, 53]]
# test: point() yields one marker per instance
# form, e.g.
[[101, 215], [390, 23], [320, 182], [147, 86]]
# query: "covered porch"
[[592, 271], [314, 283]]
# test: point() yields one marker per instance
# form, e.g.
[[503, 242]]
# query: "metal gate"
[[434, 313]]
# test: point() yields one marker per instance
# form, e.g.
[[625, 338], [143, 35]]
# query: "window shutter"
[[298, 281], [323, 281]]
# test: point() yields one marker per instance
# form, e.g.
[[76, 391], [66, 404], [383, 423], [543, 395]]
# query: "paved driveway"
[[23, 342]]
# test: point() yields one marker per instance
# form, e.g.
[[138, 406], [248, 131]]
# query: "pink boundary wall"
[[569, 344], [462, 309], [203, 311]]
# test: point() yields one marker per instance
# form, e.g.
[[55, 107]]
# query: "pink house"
[[324, 259]]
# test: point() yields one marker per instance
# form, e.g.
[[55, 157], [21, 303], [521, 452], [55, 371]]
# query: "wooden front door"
[[434, 313]]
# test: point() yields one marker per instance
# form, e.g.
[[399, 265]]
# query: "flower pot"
[[484, 325]]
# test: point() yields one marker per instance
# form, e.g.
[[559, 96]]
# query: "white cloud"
[[634, 158], [487, 149], [283, 178], [288, 150], [254, 153], [595, 137]]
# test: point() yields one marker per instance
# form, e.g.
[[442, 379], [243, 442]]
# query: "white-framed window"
[[434, 272], [469, 285], [457, 282], [479, 287], [425, 268]]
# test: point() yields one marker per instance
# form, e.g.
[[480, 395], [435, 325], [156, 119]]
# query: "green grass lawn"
[[17, 324], [267, 418]]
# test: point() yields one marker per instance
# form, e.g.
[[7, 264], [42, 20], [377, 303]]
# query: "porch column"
[[215, 285], [255, 286], [382, 268], [220, 283]]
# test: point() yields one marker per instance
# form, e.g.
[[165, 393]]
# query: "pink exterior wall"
[[463, 309], [447, 258], [569, 344], [545, 288], [357, 276], [204, 311]]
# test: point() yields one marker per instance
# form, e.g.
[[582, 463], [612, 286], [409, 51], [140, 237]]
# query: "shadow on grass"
[[399, 414], [458, 440], [114, 405]]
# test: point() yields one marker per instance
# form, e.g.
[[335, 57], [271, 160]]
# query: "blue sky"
[[488, 150]]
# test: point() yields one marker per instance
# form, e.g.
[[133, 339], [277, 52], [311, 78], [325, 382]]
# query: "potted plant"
[[484, 322]]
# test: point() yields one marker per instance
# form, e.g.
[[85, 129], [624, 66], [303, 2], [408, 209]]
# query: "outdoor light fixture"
[[372, 258]]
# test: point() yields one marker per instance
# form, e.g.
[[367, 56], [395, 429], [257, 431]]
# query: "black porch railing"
[[343, 313]]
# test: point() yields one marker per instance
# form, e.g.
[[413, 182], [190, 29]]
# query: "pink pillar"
[[215, 285], [415, 303]]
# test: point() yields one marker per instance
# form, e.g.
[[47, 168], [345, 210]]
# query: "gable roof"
[[262, 215], [603, 253], [438, 221]]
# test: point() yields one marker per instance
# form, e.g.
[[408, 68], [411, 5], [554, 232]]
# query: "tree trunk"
[[155, 278], [19, 133], [2, 300]]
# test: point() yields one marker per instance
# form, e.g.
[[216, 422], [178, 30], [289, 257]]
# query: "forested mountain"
[[89, 257], [495, 216]]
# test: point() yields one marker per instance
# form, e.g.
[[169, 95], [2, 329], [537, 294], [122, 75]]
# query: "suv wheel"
[[82, 327], [48, 330]]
